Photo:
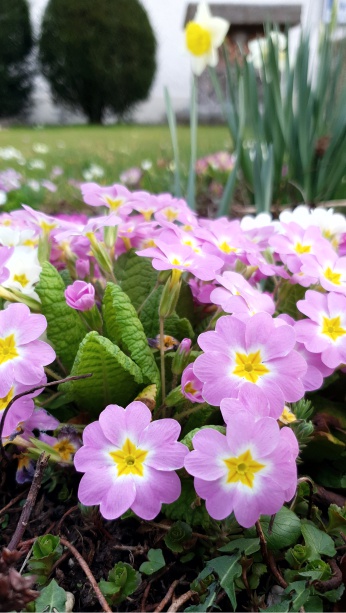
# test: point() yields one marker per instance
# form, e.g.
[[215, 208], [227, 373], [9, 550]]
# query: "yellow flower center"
[[147, 214], [170, 214], [332, 328], [333, 277], [30, 242], [47, 227], [8, 349], [226, 248], [198, 39], [127, 242], [65, 449], [6, 399], [22, 279], [129, 459], [242, 469], [189, 389], [299, 248], [287, 417], [250, 366], [114, 203]]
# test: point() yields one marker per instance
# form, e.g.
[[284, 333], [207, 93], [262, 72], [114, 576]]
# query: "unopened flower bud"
[[80, 296]]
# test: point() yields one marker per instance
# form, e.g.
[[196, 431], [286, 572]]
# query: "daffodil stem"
[[162, 362]]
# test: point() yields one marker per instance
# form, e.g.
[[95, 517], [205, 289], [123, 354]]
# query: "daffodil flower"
[[203, 36]]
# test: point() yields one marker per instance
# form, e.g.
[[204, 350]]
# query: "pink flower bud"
[[80, 296]]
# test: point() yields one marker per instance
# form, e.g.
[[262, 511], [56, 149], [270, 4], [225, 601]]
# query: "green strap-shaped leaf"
[[123, 327], [116, 378], [65, 330], [136, 277]]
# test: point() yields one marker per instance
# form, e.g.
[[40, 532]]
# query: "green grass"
[[114, 148]]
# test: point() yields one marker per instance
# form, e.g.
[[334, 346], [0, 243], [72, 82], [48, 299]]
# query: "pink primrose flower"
[[5, 254], [191, 387], [116, 198], [22, 356], [297, 241], [238, 296], [182, 257], [257, 350], [21, 409], [250, 471], [327, 268], [129, 462], [324, 332], [80, 296]]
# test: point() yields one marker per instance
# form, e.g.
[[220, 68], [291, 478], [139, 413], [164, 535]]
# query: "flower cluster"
[[252, 360]]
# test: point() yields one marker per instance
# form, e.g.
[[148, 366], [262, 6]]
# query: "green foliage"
[[65, 329], [123, 580], [45, 552], [188, 508], [155, 562], [285, 531], [318, 542], [123, 328], [187, 440], [52, 599], [179, 327], [243, 545], [178, 535], [116, 378], [98, 56], [228, 570], [136, 277], [15, 47]]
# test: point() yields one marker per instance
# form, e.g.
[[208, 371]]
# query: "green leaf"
[[243, 545], [188, 507], [51, 597], [318, 542], [123, 580], [285, 531], [207, 602], [176, 537], [287, 299], [45, 545], [65, 330], [187, 440], [136, 277], [314, 605], [156, 561], [123, 328], [116, 378], [337, 520], [228, 569], [174, 325]]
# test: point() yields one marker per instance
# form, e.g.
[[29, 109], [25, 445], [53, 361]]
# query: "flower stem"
[[162, 361]]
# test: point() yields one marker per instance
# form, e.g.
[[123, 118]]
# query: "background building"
[[168, 18]]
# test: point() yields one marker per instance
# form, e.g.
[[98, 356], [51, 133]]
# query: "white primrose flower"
[[203, 36], [25, 270]]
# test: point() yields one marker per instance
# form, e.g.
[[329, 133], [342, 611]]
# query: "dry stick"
[[268, 557], [30, 502], [330, 584], [33, 389], [180, 601], [105, 606], [168, 596], [145, 596], [12, 502], [68, 512]]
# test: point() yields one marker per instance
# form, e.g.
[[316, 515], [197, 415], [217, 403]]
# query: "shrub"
[[15, 47], [97, 56]]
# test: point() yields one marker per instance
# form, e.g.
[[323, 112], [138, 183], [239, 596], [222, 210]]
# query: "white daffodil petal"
[[198, 64], [203, 14], [219, 28], [213, 57]]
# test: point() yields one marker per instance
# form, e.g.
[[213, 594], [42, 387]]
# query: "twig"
[[30, 391], [268, 557], [145, 596], [30, 502], [330, 584], [168, 596], [12, 502], [82, 563], [180, 601], [26, 559], [68, 512]]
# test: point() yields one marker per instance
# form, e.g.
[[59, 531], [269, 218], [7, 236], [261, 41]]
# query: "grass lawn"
[[113, 148]]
